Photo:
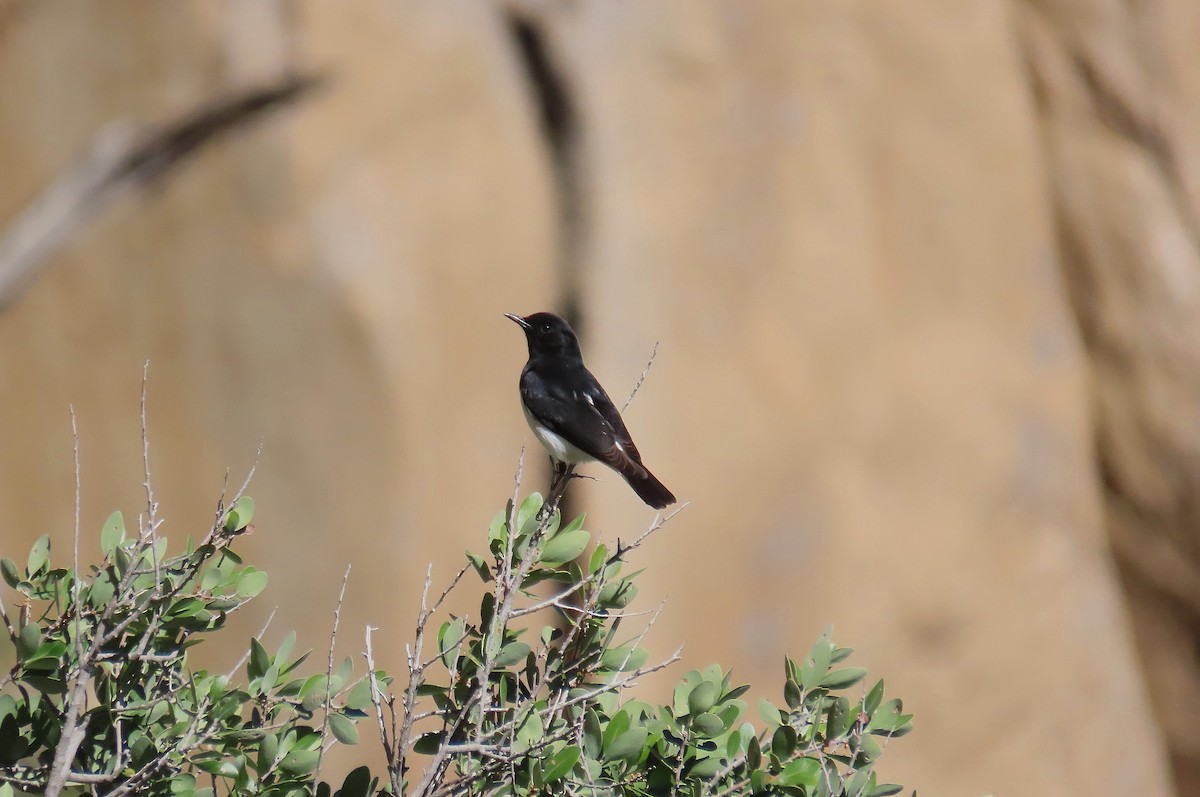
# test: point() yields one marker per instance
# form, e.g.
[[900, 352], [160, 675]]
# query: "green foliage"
[[519, 711], [101, 692], [526, 697]]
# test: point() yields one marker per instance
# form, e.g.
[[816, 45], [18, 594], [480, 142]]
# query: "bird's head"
[[546, 333]]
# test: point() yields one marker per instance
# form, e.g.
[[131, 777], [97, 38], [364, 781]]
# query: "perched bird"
[[570, 414]]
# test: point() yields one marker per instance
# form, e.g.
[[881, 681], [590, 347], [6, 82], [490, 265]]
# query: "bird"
[[569, 412]]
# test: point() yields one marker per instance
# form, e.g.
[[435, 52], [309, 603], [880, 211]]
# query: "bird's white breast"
[[554, 444]]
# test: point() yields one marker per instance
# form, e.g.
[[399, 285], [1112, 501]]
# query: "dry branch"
[[120, 160]]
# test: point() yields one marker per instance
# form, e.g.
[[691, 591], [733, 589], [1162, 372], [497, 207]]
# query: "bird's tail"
[[648, 488]]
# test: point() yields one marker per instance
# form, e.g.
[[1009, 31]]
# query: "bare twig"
[[151, 528], [337, 616], [223, 508], [642, 378], [8, 626], [622, 548], [517, 481], [120, 160], [377, 701], [77, 578], [73, 725], [262, 632], [416, 674]]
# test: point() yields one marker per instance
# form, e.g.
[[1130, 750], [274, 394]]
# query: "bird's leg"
[[563, 472]]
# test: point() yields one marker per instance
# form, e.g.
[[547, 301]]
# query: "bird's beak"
[[517, 319]]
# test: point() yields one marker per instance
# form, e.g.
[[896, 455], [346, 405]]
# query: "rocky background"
[[925, 279]]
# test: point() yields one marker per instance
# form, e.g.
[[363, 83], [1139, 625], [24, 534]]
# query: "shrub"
[[101, 698]]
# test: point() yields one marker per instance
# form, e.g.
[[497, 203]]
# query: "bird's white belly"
[[554, 444]]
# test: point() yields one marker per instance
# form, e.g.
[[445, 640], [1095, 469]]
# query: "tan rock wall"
[[1117, 108], [841, 220]]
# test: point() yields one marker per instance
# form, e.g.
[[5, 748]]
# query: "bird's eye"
[[545, 327]]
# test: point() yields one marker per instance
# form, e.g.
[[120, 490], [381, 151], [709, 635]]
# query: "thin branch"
[[76, 581], [642, 378], [151, 506], [73, 727], [517, 479], [262, 632], [659, 521], [337, 616], [120, 160], [416, 674], [224, 508], [377, 701]]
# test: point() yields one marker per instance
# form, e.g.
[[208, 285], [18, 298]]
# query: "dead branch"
[[120, 160]]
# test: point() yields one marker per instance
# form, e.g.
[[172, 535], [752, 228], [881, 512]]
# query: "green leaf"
[[300, 762], [886, 789], [565, 546], [498, 530], [843, 678], [873, 698], [707, 766], [840, 719], [285, 649], [528, 733], [240, 515], [840, 654], [527, 514], [708, 725], [8, 569], [592, 736], [624, 658], [112, 533], [753, 754], [51, 650], [860, 783], [616, 726], [800, 772], [343, 729], [429, 743], [783, 742], [817, 663], [259, 661], [481, 567], [768, 712], [512, 653], [268, 751], [792, 695], [628, 746], [618, 594], [450, 640], [359, 698], [183, 784], [39, 555], [702, 698], [357, 783], [342, 674], [730, 711], [562, 763], [889, 720], [599, 554], [27, 641], [575, 524], [251, 583]]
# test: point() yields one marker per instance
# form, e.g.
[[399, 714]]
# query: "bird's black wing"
[[596, 396], [584, 416]]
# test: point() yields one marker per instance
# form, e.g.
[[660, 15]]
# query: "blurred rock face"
[[847, 224]]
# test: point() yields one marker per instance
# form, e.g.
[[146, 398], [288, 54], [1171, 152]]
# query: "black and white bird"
[[570, 414]]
